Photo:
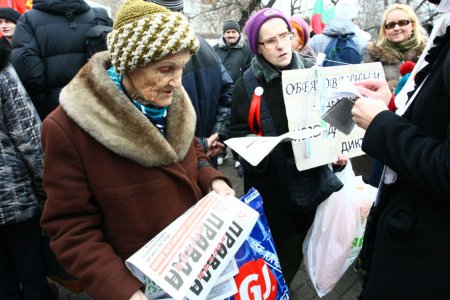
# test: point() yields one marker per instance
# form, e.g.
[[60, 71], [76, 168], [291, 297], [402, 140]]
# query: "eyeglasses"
[[273, 42], [400, 23]]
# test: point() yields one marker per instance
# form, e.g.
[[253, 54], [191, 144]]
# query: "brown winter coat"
[[113, 181], [391, 63]]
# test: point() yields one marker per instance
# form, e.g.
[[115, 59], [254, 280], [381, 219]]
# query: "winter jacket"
[[49, 47], [113, 180], [4, 43], [209, 87], [339, 27], [236, 58], [411, 250], [276, 177], [21, 160], [390, 62]]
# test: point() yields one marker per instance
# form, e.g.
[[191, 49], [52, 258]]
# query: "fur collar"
[[383, 55], [100, 108]]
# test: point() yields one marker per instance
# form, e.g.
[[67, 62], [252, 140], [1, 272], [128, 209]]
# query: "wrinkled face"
[[231, 36], [275, 32], [7, 28], [155, 83], [398, 33]]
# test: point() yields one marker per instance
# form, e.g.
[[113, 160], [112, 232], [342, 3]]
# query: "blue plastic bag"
[[260, 275]]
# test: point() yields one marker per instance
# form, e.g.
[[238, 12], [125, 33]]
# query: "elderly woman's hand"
[[221, 187]]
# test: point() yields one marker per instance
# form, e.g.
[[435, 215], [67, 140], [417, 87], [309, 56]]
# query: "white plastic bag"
[[335, 238]]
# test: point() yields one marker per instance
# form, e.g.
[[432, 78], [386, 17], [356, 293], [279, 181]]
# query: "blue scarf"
[[156, 115]]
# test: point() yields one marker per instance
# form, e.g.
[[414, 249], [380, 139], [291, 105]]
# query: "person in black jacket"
[[49, 48], [233, 50], [406, 249], [236, 56]]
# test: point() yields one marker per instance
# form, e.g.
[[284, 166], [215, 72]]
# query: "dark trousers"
[[22, 275], [289, 251]]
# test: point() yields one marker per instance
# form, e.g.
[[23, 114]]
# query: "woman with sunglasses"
[[401, 38]]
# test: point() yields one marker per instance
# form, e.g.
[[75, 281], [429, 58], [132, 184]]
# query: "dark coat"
[[49, 47], [209, 87], [113, 181], [236, 58], [411, 258], [4, 43]]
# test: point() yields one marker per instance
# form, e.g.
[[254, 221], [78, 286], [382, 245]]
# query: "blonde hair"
[[418, 30]]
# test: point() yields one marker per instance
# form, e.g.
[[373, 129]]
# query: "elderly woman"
[[290, 197], [121, 162]]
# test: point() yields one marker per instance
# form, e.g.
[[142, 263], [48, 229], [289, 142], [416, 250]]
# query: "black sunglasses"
[[400, 23]]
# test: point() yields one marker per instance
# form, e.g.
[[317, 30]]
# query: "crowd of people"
[[99, 154]]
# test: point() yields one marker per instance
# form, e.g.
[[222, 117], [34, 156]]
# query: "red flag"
[[19, 5], [317, 17]]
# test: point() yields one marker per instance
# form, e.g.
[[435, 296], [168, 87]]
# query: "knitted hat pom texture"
[[144, 32]]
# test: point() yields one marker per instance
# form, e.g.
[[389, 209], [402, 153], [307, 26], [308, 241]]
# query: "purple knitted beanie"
[[254, 24]]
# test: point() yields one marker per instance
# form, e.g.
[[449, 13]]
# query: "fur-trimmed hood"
[[99, 107], [383, 55]]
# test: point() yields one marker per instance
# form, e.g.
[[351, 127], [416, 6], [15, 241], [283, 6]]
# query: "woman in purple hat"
[[290, 197]]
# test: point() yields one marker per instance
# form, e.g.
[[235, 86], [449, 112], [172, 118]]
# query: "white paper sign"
[[305, 95]]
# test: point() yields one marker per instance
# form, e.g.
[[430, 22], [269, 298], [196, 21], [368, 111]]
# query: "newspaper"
[[187, 258], [254, 148], [224, 287]]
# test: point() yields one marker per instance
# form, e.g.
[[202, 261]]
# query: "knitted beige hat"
[[144, 32]]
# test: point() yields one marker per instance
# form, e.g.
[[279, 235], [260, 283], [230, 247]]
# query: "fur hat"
[[173, 5], [9, 14], [231, 24], [255, 22], [301, 26], [144, 32]]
